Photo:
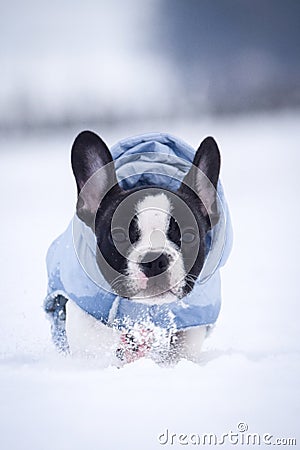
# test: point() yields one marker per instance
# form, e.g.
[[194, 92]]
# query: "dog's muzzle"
[[154, 263]]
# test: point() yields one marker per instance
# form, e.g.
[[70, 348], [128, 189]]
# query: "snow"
[[250, 368]]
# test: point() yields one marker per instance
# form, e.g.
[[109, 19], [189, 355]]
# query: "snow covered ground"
[[250, 370]]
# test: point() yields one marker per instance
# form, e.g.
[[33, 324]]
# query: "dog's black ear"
[[204, 181], [94, 172]]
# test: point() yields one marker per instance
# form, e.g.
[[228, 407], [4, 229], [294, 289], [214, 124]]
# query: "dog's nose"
[[154, 263]]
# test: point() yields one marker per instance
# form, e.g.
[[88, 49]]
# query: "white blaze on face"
[[153, 215]]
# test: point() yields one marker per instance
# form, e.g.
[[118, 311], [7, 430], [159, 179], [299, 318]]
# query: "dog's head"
[[151, 241]]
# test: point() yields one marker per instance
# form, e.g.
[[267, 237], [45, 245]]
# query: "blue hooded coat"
[[152, 159]]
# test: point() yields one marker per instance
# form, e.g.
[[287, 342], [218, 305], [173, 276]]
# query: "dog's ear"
[[94, 172], [203, 177]]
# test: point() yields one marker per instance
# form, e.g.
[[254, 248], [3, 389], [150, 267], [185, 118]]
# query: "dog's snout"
[[154, 263]]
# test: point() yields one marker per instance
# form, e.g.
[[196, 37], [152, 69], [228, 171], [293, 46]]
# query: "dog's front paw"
[[144, 341], [135, 343]]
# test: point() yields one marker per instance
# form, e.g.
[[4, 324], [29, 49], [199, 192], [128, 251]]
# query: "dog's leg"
[[56, 311], [169, 352], [89, 337], [191, 342], [184, 344]]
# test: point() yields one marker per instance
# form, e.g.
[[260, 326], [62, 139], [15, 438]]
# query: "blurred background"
[[226, 68], [72, 63]]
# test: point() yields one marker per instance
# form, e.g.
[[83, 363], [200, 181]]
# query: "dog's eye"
[[189, 236], [119, 235]]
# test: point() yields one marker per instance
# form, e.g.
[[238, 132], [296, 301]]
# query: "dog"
[[150, 246]]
